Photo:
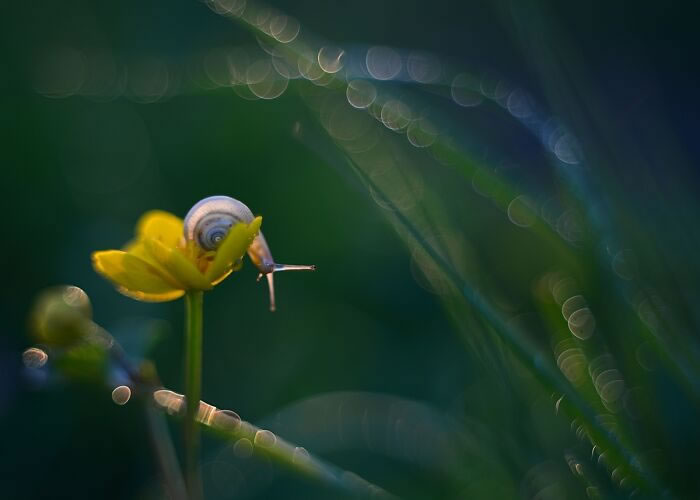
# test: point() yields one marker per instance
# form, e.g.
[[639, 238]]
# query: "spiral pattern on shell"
[[209, 220]]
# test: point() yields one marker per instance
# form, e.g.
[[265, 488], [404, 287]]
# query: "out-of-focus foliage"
[[500, 199]]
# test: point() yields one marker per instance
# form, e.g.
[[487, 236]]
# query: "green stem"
[[193, 386]]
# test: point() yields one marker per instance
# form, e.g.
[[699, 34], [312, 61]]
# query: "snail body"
[[209, 221]]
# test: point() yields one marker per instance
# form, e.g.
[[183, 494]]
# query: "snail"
[[209, 221]]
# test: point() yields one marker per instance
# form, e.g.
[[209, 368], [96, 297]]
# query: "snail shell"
[[209, 220]]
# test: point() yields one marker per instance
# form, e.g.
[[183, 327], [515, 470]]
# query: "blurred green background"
[[79, 170]]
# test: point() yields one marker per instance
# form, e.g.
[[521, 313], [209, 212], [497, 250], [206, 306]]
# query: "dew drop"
[[227, 7], [285, 29], [566, 149], [361, 94], [522, 211], [287, 67], [571, 305], [264, 82], [34, 358], [616, 474], [76, 297], [519, 104], [557, 404], [395, 115], [464, 91], [383, 63], [121, 395], [226, 420], [423, 67], [205, 413], [265, 438], [563, 289], [300, 455], [421, 133], [170, 401], [260, 17], [582, 323], [624, 264], [501, 92], [277, 25], [572, 363], [331, 59], [610, 385], [243, 448], [309, 68], [489, 84]]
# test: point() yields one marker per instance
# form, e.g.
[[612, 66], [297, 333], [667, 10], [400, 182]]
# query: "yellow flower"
[[159, 265]]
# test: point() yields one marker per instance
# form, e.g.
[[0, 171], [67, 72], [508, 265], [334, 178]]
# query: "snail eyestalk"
[[271, 281], [293, 267], [193, 384], [271, 287]]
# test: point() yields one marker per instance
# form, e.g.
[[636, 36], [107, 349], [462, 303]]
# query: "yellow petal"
[[231, 249], [237, 265], [152, 297], [134, 276], [138, 249], [182, 269], [162, 226], [222, 277]]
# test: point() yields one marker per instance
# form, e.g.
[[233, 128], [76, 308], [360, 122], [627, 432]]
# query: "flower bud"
[[61, 316]]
